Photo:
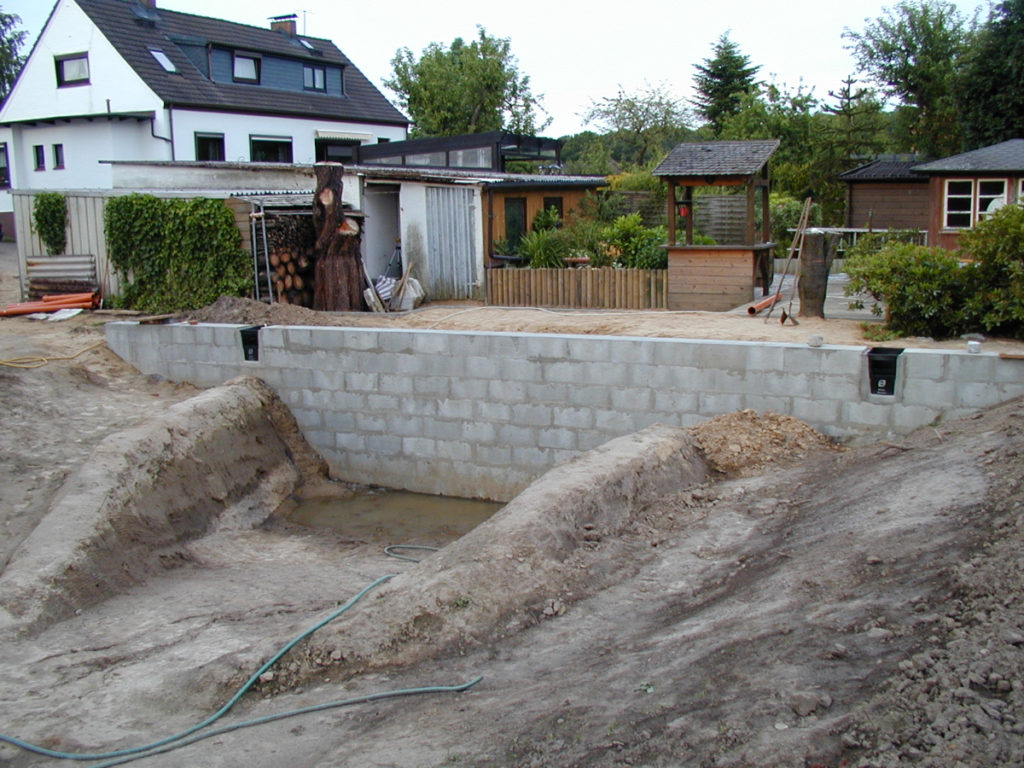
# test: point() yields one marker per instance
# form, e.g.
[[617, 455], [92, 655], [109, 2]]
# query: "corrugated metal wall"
[[451, 243]]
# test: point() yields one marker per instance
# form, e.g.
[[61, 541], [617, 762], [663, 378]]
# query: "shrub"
[[925, 290], [543, 248], [584, 238], [50, 215], [637, 246], [547, 219], [785, 215], [997, 247], [175, 254]]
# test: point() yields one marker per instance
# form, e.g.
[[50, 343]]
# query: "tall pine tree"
[[722, 81]]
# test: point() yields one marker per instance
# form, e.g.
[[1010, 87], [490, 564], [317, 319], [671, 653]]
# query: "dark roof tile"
[[1005, 157], [717, 158], [887, 168], [134, 33]]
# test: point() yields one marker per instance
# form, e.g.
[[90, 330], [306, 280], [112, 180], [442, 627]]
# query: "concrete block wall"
[[483, 414]]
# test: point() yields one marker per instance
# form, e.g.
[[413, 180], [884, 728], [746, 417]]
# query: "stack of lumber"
[[293, 276], [52, 303]]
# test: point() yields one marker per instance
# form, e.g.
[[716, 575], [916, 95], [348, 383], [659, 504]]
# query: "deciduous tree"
[[651, 119], [11, 40], [472, 87]]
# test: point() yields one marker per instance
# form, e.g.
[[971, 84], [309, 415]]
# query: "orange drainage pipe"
[[753, 309]]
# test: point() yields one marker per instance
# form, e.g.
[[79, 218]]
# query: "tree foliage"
[[472, 87], [651, 120], [50, 216], [912, 52], [991, 79], [722, 82], [11, 40]]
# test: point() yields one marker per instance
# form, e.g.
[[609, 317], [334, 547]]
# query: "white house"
[[123, 80]]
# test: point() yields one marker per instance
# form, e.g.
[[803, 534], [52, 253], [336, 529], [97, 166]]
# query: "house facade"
[[887, 194], [964, 189], [123, 80]]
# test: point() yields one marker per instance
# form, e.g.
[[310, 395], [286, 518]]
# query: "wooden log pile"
[[290, 242]]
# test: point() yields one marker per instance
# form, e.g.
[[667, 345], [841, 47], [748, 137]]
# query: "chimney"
[[285, 24]]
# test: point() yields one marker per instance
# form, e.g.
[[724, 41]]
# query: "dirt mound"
[[743, 443], [231, 309]]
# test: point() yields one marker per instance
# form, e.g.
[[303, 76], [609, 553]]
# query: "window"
[[556, 203], [40, 156], [5, 173], [959, 203], [72, 70], [336, 150], [270, 149], [991, 196], [58, 155], [470, 158], [515, 220], [165, 62], [436, 159], [210, 146], [246, 68], [314, 78]]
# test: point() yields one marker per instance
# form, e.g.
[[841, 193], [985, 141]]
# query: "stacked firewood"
[[291, 259]]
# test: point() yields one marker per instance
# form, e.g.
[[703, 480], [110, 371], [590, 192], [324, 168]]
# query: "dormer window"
[[314, 78], [246, 68], [72, 70]]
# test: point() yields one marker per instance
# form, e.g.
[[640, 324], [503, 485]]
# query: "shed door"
[[451, 242]]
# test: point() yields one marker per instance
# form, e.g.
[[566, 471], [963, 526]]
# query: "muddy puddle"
[[395, 517]]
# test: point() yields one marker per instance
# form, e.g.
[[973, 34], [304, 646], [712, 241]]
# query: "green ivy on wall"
[[175, 254], [50, 216]]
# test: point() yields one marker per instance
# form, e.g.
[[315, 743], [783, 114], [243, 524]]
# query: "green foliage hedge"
[[943, 294], [50, 216], [175, 254]]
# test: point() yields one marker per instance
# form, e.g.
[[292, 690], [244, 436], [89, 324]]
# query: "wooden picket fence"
[[603, 288]]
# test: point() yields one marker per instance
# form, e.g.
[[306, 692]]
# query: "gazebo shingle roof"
[[717, 158]]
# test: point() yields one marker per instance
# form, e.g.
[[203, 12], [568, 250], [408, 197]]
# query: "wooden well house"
[[724, 275]]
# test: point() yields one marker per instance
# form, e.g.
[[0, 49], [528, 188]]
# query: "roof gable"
[[1005, 157], [717, 158], [135, 30]]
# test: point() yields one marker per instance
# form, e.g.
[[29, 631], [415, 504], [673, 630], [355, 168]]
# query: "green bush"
[[548, 218], [50, 216], [785, 215], [584, 237], [925, 290], [543, 248], [996, 247], [175, 254], [637, 246]]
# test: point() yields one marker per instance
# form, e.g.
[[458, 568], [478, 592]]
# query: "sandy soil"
[[806, 607]]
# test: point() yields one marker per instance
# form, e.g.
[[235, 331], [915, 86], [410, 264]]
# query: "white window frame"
[[945, 204], [66, 79], [317, 74], [982, 210], [244, 77]]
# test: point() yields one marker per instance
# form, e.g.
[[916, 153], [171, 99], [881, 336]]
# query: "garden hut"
[[721, 276]]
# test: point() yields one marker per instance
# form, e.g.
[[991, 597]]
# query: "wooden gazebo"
[[721, 276]]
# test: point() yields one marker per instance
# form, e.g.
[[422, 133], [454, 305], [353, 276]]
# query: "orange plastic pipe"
[[753, 309]]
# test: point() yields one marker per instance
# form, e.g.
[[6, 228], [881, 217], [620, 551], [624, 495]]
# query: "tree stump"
[[815, 262], [339, 277]]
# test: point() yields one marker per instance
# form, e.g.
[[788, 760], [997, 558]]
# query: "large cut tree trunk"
[[339, 279], [815, 262]]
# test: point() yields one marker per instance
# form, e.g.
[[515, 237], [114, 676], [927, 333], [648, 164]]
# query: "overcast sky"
[[574, 52]]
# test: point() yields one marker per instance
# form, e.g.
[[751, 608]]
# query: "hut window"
[[515, 220], [991, 196], [959, 213]]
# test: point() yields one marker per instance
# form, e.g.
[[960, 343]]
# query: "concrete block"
[[867, 414], [924, 363], [299, 337], [357, 381], [631, 351], [492, 455], [532, 457], [815, 412], [977, 394], [724, 355], [798, 360], [440, 429], [552, 394], [468, 345], [841, 361], [608, 374], [964, 368], [322, 378], [319, 439], [487, 410], [435, 386], [907, 418], [572, 418], [368, 422], [431, 343], [395, 384], [468, 389], [1008, 371], [675, 377], [405, 426], [419, 446], [383, 445], [527, 414], [339, 421], [568, 372], [456, 409], [590, 395], [564, 439], [397, 341], [515, 435], [454, 450], [787, 383], [766, 357], [712, 403], [227, 335], [509, 345], [834, 387], [418, 406], [545, 347], [479, 432], [614, 423], [929, 392], [632, 399], [676, 352], [352, 339], [483, 367], [517, 370], [507, 391], [383, 403], [675, 401]]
